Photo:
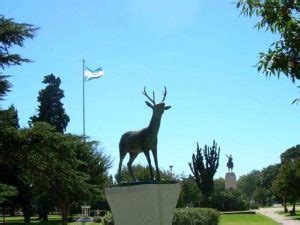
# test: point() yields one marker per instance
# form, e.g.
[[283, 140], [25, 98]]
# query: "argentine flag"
[[92, 74]]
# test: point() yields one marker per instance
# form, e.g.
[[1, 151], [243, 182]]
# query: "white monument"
[[85, 214], [230, 181], [230, 178], [143, 204]]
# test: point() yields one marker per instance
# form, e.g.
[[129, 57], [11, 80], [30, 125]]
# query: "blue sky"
[[203, 51]]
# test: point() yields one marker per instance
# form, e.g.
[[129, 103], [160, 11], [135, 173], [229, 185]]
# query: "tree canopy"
[[12, 34], [282, 18], [204, 166], [51, 108]]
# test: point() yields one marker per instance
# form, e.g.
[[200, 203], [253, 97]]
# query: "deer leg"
[[149, 163], [154, 152], [122, 156], [133, 155]]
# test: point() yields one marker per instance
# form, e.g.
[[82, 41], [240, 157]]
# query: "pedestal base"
[[143, 204], [230, 181]]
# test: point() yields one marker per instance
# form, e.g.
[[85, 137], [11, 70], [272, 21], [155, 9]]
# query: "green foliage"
[[9, 118], [98, 219], [6, 192], [190, 194], [228, 200], [249, 182], [108, 219], [291, 154], [281, 17], [65, 167], [57, 165], [287, 183], [268, 175], [204, 166], [51, 108], [196, 216], [262, 197], [13, 34], [4, 86], [142, 173]]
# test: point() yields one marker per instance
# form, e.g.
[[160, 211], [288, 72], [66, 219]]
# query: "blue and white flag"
[[92, 74]]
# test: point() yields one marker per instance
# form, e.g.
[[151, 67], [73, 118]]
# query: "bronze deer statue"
[[135, 142]]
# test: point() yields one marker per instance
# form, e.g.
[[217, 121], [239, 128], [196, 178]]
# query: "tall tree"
[[4, 86], [9, 118], [190, 194], [248, 184], [58, 164], [51, 108], [12, 34], [204, 168], [279, 17], [291, 154], [287, 182]]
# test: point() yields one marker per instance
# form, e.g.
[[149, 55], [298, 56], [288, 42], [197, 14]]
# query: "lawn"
[[53, 220], [245, 219], [230, 219]]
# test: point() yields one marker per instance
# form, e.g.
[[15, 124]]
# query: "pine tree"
[[51, 108], [12, 34], [9, 118], [204, 169]]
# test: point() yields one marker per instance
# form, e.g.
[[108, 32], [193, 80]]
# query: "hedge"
[[196, 216]]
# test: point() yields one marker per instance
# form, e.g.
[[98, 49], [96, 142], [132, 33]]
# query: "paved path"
[[281, 219]]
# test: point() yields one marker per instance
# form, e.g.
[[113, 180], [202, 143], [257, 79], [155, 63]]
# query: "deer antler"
[[164, 94], [145, 93]]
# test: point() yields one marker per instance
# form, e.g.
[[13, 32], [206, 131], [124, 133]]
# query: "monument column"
[[230, 178]]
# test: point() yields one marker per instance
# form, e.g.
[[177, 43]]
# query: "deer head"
[[158, 108]]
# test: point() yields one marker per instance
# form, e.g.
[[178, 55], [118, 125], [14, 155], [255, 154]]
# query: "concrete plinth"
[[230, 181], [143, 204]]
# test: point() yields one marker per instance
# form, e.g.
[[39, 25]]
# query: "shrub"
[[254, 206], [73, 218], [103, 213], [196, 216], [97, 219], [108, 219], [229, 200]]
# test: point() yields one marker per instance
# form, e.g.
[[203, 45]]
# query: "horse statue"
[[229, 163]]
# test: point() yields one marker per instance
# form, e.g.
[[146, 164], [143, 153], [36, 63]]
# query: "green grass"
[[296, 217], [225, 219], [245, 219], [53, 220]]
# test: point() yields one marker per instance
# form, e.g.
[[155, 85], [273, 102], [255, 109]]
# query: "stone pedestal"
[[143, 204], [230, 181]]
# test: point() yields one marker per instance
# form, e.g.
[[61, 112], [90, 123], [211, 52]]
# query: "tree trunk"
[[284, 205], [43, 211], [293, 212], [3, 215], [26, 213], [64, 208]]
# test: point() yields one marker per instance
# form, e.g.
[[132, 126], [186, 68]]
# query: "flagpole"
[[83, 99]]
